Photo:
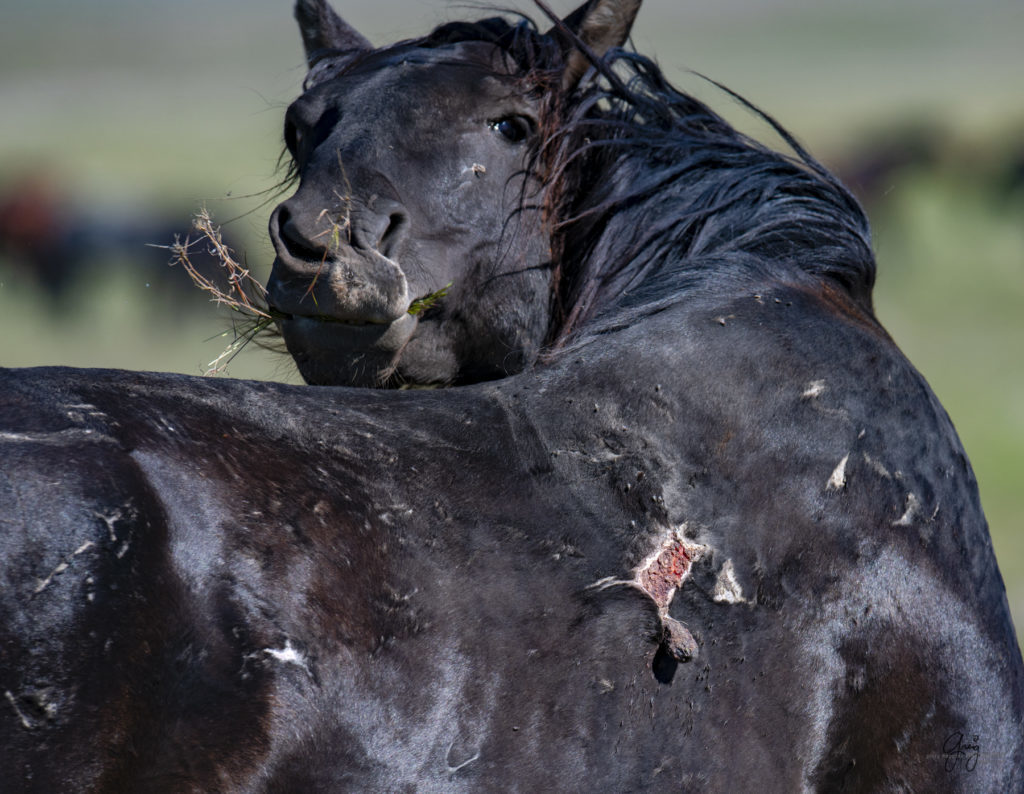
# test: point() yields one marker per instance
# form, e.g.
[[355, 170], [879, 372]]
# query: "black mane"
[[656, 193], [537, 55]]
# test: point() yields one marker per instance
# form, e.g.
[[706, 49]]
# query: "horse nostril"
[[311, 236], [288, 239], [278, 219], [393, 234]]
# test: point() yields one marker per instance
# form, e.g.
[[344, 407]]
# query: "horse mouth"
[[417, 308], [333, 351], [328, 320], [344, 331], [384, 334]]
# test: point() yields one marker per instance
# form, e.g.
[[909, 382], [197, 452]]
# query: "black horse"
[[717, 534]]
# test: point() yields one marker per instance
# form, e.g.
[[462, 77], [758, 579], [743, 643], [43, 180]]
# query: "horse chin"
[[330, 353]]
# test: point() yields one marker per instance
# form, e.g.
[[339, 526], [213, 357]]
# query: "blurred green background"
[[120, 117]]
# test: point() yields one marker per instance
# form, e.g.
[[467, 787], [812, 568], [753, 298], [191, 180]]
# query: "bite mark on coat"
[[452, 769], [814, 389], [879, 469], [25, 722], [663, 571], [909, 511], [62, 566], [727, 589], [838, 479], [658, 577], [287, 655]]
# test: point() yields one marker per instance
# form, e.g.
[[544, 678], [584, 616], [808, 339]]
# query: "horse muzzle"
[[343, 309], [326, 273]]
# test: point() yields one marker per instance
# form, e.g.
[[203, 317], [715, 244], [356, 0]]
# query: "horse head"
[[415, 249]]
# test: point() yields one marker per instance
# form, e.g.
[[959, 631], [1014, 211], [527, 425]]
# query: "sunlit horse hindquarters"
[[687, 520]]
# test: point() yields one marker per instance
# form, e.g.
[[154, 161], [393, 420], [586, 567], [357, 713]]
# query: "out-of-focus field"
[[136, 112]]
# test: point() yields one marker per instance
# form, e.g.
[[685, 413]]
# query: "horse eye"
[[514, 129]]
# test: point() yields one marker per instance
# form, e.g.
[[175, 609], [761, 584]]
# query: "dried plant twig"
[[243, 294]]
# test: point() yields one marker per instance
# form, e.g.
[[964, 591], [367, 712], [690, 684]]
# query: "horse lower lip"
[[349, 334], [339, 353], [354, 323], [318, 318]]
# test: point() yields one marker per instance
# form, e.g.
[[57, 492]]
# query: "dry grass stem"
[[244, 294], [239, 292]]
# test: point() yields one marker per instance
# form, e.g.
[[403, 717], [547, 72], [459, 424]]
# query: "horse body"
[[252, 586], [724, 535]]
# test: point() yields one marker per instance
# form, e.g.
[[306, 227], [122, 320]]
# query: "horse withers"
[[691, 522]]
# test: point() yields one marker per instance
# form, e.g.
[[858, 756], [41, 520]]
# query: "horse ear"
[[600, 25], [322, 29]]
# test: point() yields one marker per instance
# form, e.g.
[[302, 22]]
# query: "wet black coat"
[[229, 586], [722, 538]]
